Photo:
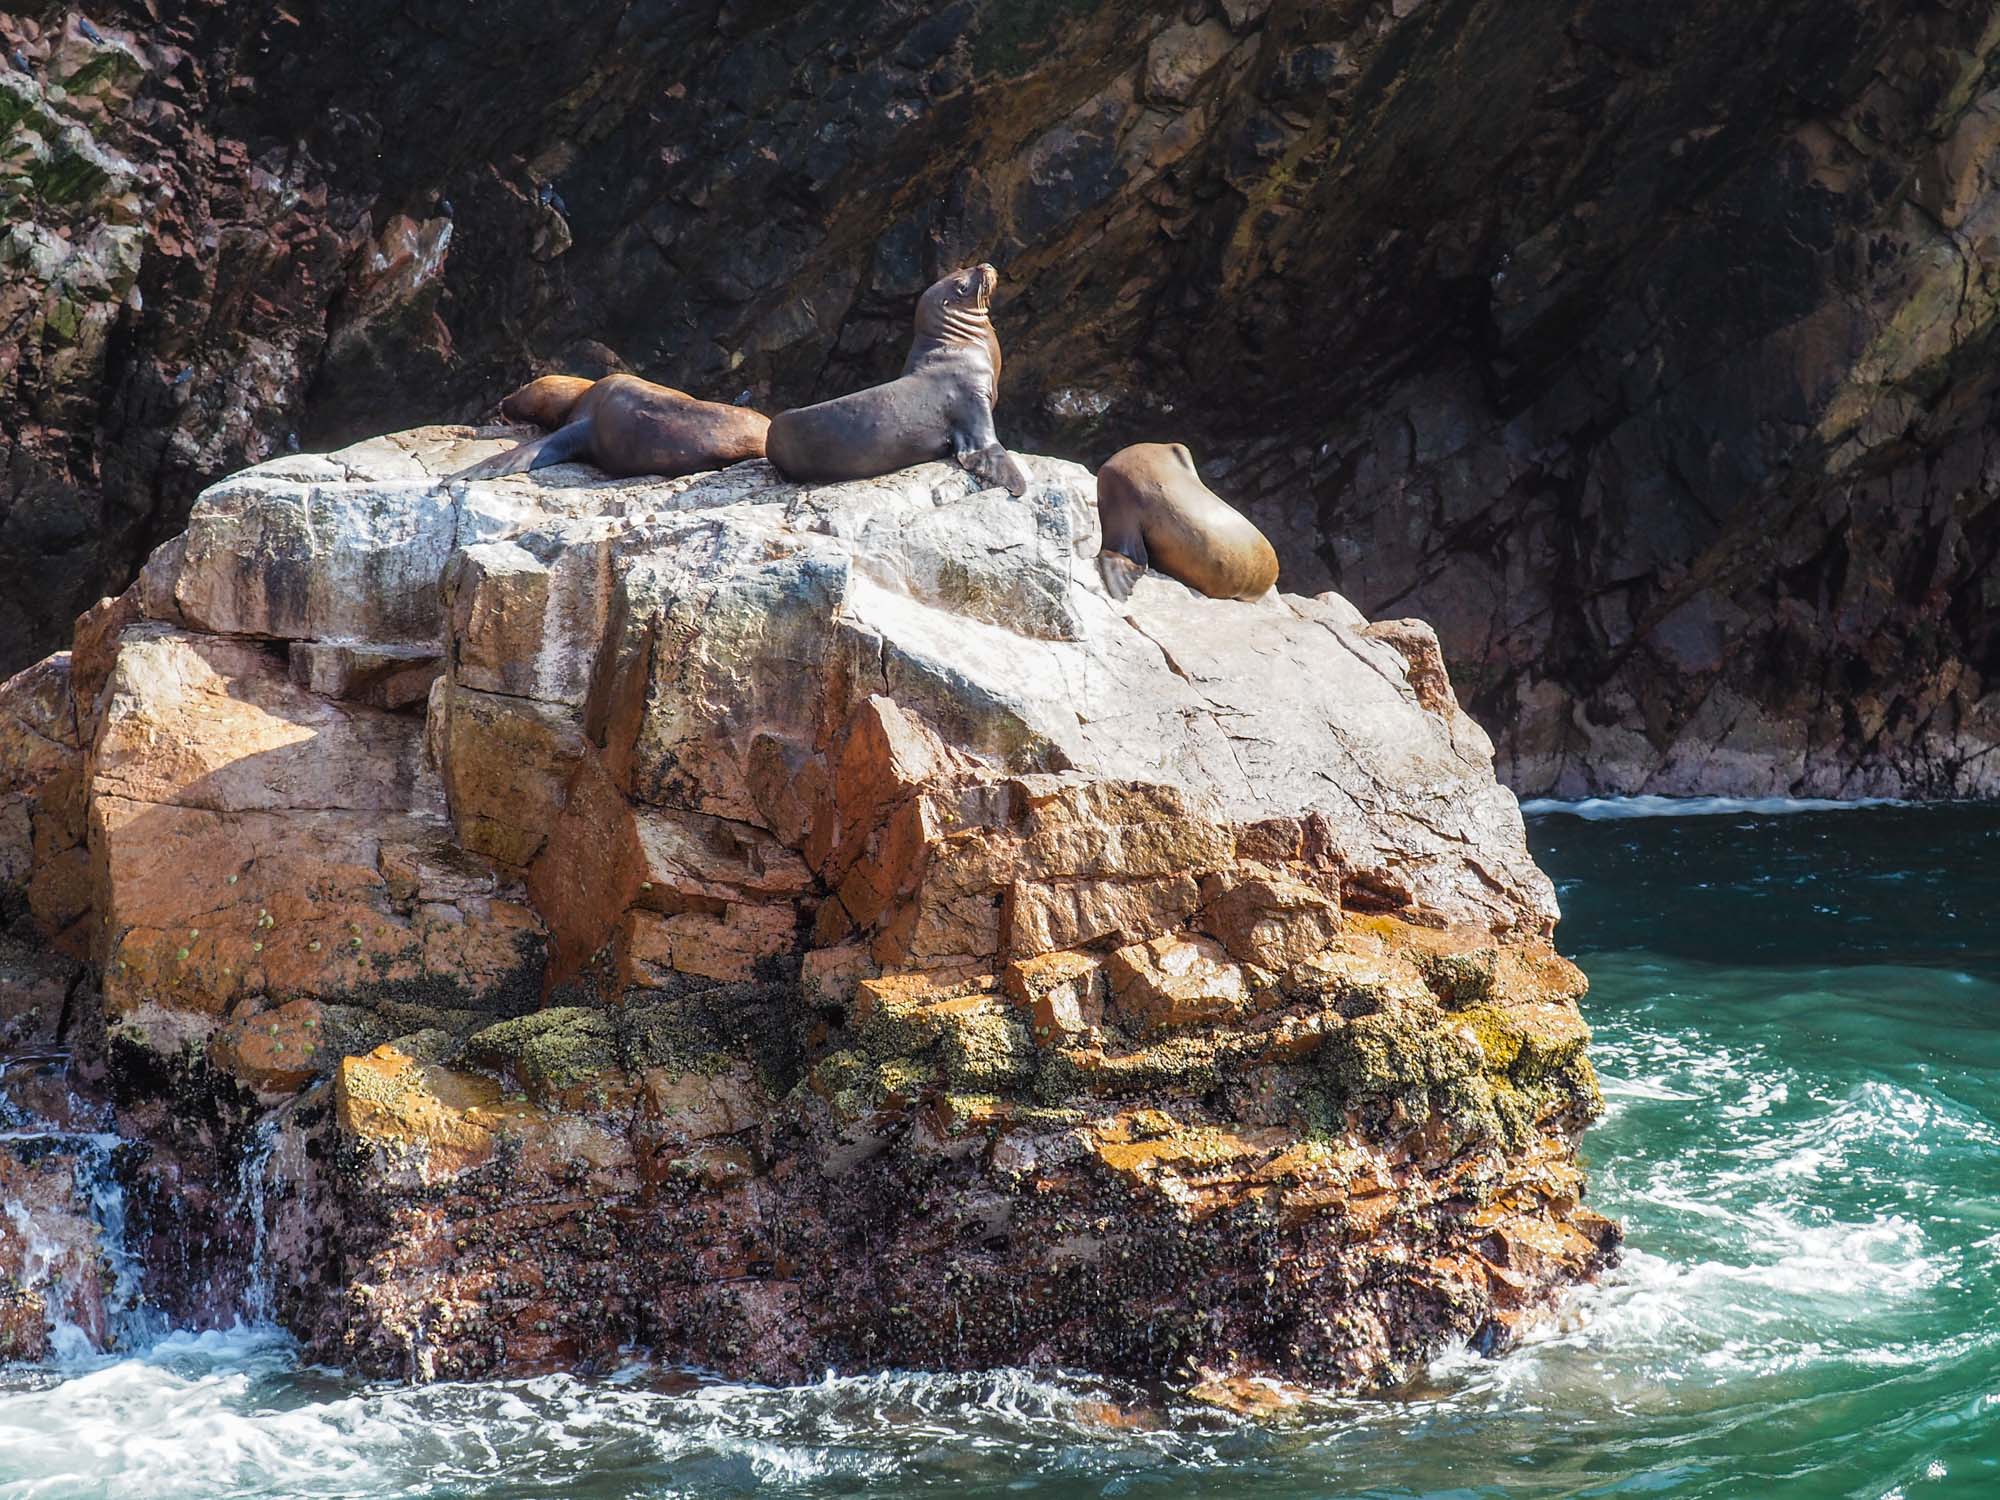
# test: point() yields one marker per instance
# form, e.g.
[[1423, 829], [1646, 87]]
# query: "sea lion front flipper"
[[1129, 543], [1123, 560], [994, 465], [1119, 573], [558, 447], [977, 447]]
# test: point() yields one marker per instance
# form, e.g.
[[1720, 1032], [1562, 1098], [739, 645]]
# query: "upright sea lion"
[[626, 426], [1155, 511], [941, 403]]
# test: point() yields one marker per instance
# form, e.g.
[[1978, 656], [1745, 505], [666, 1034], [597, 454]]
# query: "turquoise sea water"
[[1798, 1030]]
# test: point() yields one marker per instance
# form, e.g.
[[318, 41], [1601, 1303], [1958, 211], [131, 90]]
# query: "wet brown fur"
[[545, 402], [942, 403]]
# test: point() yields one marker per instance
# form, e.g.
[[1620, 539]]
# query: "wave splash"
[[1600, 809]]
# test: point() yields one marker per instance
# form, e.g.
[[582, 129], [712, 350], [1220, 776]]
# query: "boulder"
[[1704, 506], [619, 900]]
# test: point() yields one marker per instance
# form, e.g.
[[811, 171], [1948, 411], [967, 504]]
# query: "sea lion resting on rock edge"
[[1155, 511], [942, 403], [626, 426], [546, 402]]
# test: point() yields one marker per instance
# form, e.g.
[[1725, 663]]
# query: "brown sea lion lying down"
[[625, 426], [941, 404], [1156, 512]]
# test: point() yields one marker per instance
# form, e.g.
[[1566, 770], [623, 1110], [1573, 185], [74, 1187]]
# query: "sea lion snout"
[[967, 287], [954, 310]]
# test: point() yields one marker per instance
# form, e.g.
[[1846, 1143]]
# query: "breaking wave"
[[1599, 809]]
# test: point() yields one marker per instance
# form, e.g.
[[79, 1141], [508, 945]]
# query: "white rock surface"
[[674, 623]]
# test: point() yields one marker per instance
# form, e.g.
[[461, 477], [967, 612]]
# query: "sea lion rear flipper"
[[507, 461], [558, 447]]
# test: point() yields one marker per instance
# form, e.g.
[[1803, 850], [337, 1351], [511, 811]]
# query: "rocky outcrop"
[[1645, 354], [792, 928]]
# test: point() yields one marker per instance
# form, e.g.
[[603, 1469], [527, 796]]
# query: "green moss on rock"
[[431, 1045], [1460, 979], [710, 1030], [66, 177], [1184, 1065], [987, 1053], [902, 1080], [1531, 1044], [1394, 1052], [550, 1050], [844, 1079], [899, 1029]]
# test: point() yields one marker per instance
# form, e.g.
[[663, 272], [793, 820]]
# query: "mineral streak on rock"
[[799, 928]]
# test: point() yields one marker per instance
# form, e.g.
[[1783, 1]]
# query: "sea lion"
[[1156, 512], [941, 404], [545, 402], [625, 426]]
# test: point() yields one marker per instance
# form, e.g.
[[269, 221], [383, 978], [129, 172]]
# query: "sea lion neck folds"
[[941, 404], [957, 312], [957, 307]]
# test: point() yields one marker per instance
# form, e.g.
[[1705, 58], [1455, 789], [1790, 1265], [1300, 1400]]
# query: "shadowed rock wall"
[[1643, 349]]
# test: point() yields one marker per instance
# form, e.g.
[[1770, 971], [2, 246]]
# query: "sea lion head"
[[955, 309], [545, 402]]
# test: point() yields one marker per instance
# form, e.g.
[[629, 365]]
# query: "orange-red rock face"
[[796, 929]]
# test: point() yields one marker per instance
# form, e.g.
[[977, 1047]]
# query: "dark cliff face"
[[1643, 349]]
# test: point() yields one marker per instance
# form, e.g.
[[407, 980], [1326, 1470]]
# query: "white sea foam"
[[213, 1413], [1599, 809]]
